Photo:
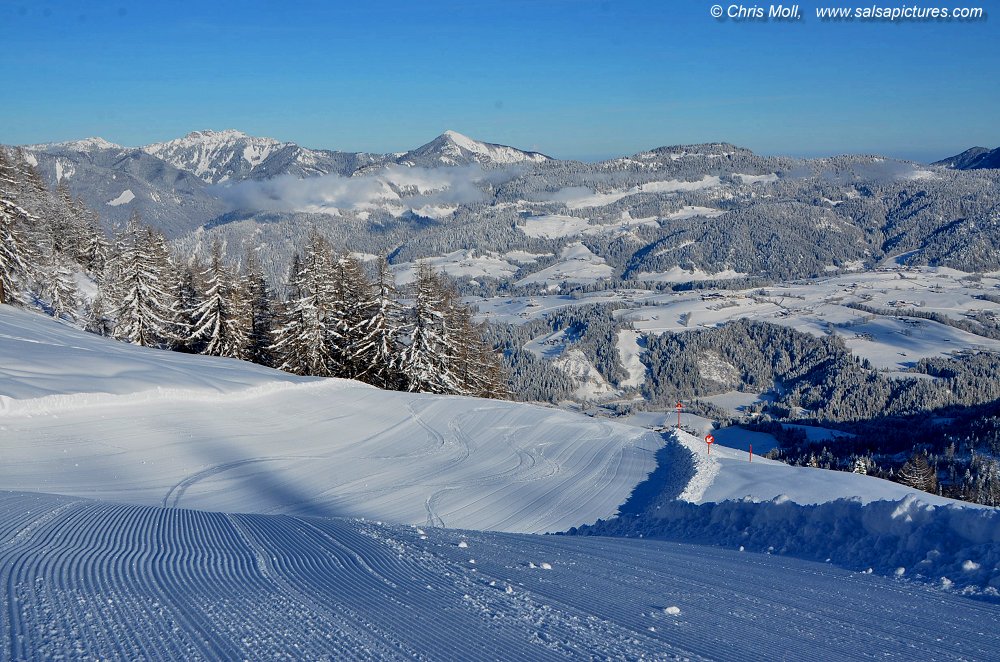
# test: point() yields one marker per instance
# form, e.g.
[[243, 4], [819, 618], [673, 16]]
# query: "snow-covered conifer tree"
[[918, 474], [220, 325], [479, 369], [14, 252], [95, 249], [56, 284], [261, 312], [378, 342], [187, 300], [349, 293], [426, 360], [860, 466], [444, 350], [13, 247], [137, 285], [97, 317], [306, 338]]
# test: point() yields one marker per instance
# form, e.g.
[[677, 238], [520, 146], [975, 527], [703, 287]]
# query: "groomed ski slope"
[[84, 416], [90, 580], [235, 512]]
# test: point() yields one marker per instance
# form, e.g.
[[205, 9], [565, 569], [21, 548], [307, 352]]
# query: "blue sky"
[[571, 78]]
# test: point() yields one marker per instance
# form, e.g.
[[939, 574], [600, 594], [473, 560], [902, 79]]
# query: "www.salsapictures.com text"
[[783, 12]]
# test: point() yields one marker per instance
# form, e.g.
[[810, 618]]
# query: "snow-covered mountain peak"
[[215, 156], [453, 148], [85, 145], [210, 137], [462, 140]]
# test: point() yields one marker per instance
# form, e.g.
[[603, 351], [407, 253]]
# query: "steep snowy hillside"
[[85, 416]]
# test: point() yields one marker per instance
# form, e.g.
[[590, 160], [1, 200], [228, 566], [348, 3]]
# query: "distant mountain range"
[[220, 156], [170, 183], [487, 211], [976, 158]]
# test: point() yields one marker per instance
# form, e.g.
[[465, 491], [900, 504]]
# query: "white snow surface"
[[524, 257], [631, 351], [91, 580], [553, 226], [577, 264], [64, 170], [674, 185], [126, 197], [457, 264], [722, 497], [84, 145], [578, 197], [84, 416], [817, 306], [488, 152], [591, 386], [693, 211], [679, 275], [728, 474], [219, 529], [757, 179]]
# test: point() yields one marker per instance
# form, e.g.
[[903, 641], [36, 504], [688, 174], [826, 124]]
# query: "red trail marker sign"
[[709, 439], [679, 407]]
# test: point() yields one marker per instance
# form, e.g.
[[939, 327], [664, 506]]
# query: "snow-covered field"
[[84, 416], [577, 264], [678, 275], [816, 306], [461, 263], [163, 506]]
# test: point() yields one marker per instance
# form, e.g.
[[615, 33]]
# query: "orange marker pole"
[[751, 452]]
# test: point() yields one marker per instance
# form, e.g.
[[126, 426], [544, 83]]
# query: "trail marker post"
[[679, 407], [709, 439], [751, 451]]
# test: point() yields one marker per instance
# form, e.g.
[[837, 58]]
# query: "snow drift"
[[906, 534], [946, 545]]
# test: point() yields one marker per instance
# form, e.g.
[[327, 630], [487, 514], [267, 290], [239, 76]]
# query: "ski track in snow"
[[84, 580], [268, 567], [229, 436]]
